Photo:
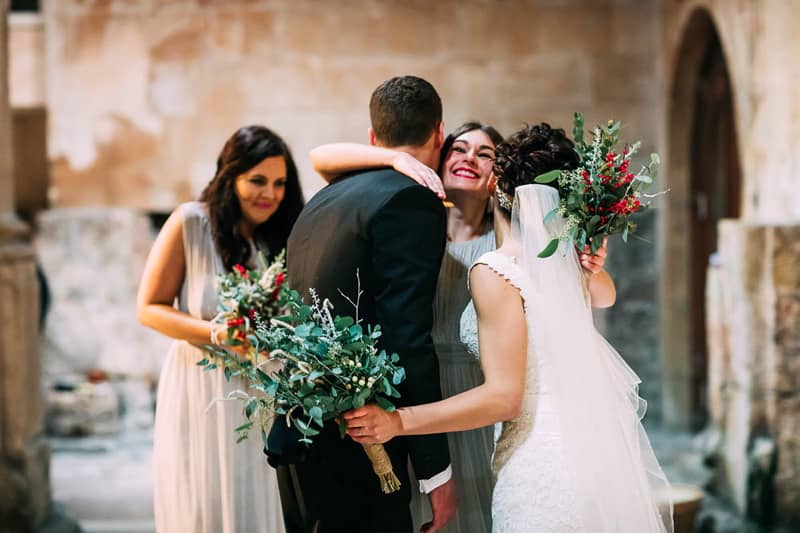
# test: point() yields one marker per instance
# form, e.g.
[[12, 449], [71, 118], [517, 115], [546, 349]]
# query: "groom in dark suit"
[[391, 232]]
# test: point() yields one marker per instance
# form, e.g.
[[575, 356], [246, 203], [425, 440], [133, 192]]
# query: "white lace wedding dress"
[[576, 459], [203, 481], [534, 490]]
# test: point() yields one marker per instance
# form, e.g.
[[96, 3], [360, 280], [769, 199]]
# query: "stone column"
[[24, 455], [754, 369]]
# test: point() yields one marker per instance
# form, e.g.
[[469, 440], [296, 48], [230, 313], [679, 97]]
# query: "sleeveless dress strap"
[[506, 267]]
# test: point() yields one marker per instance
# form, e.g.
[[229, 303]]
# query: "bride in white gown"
[[573, 455]]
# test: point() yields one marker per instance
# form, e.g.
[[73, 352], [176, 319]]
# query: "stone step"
[[118, 526]]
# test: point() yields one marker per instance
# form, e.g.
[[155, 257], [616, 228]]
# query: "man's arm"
[[408, 236]]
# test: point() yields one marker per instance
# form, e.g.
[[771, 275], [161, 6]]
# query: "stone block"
[[26, 60], [25, 489], [82, 409], [755, 366], [93, 259], [20, 401]]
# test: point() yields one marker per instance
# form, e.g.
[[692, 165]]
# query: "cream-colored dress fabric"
[[204, 481]]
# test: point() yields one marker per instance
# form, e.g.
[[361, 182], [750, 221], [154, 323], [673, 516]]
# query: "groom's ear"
[[372, 140], [439, 141]]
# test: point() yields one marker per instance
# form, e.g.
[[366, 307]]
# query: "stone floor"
[[105, 483]]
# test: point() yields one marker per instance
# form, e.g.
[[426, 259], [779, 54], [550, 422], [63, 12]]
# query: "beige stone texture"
[[31, 167], [93, 259], [759, 43], [141, 95], [754, 344], [24, 458], [145, 131], [26, 69]]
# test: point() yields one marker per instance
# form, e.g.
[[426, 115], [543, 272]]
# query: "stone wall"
[[24, 455], [755, 339], [760, 43], [26, 61], [141, 95], [93, 259]]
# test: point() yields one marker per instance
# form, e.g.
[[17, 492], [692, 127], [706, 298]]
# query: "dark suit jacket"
[[392, 232]]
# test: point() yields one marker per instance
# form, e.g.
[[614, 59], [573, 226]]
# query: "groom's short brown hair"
[[404, 111]]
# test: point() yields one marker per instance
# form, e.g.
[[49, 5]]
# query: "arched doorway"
[[705, 180]]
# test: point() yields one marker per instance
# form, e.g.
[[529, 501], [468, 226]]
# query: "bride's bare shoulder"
[[491, 287]]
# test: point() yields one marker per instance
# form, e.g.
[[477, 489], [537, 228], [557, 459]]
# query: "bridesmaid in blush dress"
[[203, 481]]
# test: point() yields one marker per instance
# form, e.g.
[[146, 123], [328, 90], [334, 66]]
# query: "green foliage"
[[328, 365], [602, 195]]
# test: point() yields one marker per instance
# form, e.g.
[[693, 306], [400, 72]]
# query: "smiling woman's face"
[[468, 164], [261, 189]]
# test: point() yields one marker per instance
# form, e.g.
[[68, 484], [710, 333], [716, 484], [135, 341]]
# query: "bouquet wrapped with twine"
[[327, 366]]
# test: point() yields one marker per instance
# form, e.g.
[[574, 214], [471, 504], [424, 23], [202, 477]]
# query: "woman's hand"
[[593, 263], [219, 337], [419, 172], [372, 425]]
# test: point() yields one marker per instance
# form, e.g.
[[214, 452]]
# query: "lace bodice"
[[527, 463]]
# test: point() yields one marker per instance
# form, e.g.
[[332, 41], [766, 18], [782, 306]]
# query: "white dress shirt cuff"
[[428, 485]]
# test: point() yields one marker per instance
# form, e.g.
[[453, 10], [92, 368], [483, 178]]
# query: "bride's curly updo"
[[529, 152]]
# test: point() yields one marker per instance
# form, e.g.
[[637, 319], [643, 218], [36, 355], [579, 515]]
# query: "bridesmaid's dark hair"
[[246, 148], [529, 152]]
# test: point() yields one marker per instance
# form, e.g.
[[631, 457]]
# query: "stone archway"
[[705, 186]]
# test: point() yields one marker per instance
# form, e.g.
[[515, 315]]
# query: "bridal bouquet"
[[602, 195], [245, 295], [327, 366]]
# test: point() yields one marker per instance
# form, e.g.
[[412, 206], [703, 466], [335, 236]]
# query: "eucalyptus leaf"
[[303, 330], [244, 427], [343, 322], [597, 242], [582, 239], [550, 249], [577, 128], [250, 408], [549, 216], [385, 404], [548, 177], [592, 226], [315, 413]]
